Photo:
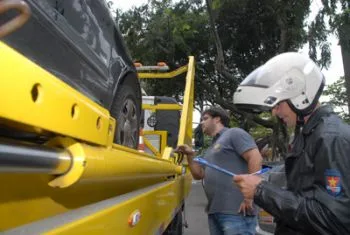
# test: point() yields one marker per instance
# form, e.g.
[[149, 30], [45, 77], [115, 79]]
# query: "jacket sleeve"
[[295, 211]]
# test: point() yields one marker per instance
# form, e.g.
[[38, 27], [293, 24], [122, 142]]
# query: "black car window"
[[84, 16]]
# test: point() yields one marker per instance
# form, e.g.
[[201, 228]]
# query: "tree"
[[333, 17], [250, 31], [338, 98], [163, 31]]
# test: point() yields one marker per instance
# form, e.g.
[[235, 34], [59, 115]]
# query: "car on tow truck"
[[80, 43]]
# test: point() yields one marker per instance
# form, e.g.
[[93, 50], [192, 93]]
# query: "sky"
[[127, 4]]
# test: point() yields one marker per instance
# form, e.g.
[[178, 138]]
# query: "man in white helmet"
[[316, 200]]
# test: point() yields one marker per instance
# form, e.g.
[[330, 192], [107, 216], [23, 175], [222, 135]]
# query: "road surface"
[[194, 212], [196, 216]]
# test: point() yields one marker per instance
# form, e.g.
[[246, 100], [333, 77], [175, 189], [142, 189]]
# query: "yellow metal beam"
[[123, 163], [163, 138], [149, 145], [156, 205], [171, 74], [185, 132], [155, 107], [35, 98], [102, 173]]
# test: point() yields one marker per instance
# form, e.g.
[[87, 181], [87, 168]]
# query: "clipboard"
[[204, 162]]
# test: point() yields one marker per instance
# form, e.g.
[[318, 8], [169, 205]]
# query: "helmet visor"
[[255, 79]]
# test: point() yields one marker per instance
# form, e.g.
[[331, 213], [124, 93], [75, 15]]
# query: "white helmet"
[[289, 76]]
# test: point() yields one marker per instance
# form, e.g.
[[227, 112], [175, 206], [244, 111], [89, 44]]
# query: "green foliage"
[[165, 31], [332, 16], [259, 131], [250, 32], [216, 4], [338, 98]]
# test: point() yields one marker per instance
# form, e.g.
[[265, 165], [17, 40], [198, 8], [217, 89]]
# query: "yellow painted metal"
[[35, 98], [168, 154], [164, 75], [155, 215], [77, 165], [123, 164], [107, 172], [37, 101], [150, 146], [163, 141], [155, 107], [185, 132], [157, 205]]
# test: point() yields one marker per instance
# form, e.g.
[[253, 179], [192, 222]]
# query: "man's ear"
[[217, 119]]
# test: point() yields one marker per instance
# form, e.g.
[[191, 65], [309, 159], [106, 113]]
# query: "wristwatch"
[[259, 188]]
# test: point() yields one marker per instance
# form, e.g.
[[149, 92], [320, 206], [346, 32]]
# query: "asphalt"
[[197, 218], [194, 211]]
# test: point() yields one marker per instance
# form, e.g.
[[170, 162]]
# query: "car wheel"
[[126, 110]]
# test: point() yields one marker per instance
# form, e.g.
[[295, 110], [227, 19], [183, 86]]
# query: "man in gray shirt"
[[235, 150]]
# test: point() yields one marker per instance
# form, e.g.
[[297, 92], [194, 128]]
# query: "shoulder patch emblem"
[[333, 182], [217, 146]]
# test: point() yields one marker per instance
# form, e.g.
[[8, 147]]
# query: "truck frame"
[[76, 180]]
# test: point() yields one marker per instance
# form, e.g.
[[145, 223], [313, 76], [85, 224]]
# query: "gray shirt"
[[226, 151]]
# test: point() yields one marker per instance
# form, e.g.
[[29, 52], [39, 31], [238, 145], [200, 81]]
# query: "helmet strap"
[[300, 120], [298, 112], [299, 126]]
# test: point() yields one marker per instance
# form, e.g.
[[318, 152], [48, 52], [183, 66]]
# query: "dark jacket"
[[318, 180]]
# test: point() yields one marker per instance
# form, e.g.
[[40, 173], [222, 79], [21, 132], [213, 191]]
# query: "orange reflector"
[[161, 64], [141, 146], [134, 218]]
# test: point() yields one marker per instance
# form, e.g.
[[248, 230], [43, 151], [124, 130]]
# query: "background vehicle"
[[79, 42]]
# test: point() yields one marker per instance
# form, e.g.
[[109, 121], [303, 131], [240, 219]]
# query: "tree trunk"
[[220, 60], [344, 36]]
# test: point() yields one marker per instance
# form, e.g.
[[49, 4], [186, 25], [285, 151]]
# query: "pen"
[[262, 171]]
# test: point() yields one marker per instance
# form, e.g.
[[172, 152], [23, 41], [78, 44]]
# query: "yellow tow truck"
[[78, 181]]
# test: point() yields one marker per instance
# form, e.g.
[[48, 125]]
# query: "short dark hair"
[[218, 112]]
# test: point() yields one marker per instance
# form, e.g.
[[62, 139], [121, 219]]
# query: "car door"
[[78, 21]]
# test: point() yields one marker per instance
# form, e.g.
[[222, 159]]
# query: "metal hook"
[[18, 21]]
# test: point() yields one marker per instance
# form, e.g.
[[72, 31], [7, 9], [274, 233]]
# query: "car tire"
[[126, 109]]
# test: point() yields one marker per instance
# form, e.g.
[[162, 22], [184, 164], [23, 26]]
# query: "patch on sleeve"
[[217, 147], [333, 182]]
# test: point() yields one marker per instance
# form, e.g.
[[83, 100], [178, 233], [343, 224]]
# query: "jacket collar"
[[315, 118]]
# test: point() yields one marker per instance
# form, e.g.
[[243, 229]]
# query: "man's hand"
[[185, 149], [247, 184], [246, 207], [196, 170]]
